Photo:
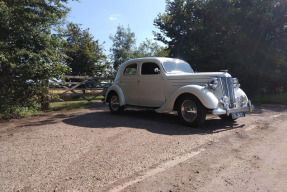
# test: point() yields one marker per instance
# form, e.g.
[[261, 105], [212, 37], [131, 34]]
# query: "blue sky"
[[103, 17]]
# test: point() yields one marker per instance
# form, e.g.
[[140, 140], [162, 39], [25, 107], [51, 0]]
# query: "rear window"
[[131, 70]]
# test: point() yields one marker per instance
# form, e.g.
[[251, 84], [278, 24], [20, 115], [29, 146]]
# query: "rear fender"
[[116, 88]]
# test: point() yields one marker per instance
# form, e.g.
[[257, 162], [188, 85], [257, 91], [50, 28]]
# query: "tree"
[[123, 47], [247, 37], [29, 53], [84, 55], [150, 48]]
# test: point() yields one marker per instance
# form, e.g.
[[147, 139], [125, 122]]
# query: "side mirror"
[[156, 70]]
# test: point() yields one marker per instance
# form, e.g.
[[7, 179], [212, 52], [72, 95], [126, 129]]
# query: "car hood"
[[195, 78]]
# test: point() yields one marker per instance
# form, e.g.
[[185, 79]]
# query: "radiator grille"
[[228, 89]]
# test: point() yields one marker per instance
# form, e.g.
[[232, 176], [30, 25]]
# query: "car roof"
[[159, 59], [146, 59]]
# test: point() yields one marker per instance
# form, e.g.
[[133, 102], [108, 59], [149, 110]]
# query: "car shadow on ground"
[[167, 124]]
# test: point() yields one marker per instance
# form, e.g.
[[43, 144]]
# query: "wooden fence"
[[79, 88]]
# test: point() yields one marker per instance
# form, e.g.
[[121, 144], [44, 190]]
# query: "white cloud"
[[114, 17]]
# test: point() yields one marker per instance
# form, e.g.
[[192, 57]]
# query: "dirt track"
[[93, 150]]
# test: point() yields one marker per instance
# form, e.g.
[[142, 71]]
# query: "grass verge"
[[70, 105]]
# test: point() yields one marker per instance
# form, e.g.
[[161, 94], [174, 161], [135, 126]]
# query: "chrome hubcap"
[[188, 110], [115, 103]]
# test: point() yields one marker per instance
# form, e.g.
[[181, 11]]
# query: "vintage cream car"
[[167, 85]]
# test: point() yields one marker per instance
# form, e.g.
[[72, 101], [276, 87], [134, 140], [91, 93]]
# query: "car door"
[[128, 83], [150, 85]]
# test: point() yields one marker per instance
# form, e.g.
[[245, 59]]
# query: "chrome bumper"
[[228, 111]]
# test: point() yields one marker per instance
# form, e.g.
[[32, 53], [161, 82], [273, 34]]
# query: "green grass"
[[70, 105], [280, 98], [20, 112]]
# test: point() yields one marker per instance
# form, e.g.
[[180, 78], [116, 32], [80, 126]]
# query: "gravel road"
[[93, 150]]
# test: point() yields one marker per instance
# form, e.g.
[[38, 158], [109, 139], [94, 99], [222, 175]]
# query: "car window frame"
[[154, 74], [130, 75]]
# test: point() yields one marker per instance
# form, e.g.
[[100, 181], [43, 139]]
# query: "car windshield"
[[177, 67]]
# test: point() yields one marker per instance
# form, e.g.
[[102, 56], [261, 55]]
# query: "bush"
[[279, 98], [10, 112]]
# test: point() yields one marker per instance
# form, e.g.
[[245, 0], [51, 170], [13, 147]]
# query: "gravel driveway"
[[93, 150]]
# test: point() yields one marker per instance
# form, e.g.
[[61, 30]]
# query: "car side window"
[[149, 69], [131, 70]]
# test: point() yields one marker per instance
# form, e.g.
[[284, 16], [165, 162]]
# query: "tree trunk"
[[45, 99]]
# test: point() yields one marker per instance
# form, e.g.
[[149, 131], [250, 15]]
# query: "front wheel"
[[191, 111], [114, 104]]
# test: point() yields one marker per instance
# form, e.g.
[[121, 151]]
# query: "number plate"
[[237, 115]]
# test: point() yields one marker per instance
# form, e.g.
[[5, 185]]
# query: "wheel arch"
[[109, 95], [177, 100], [205, 96], [115, 89], [190, 109]]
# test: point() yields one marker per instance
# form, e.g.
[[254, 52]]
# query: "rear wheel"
[[114, 104], [191, 111]]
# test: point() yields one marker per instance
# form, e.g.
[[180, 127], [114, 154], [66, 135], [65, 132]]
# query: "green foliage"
[[279, 98], [84, 55], [124, 47], [29, 53], [150, 48], [247, 37], [19, 111]]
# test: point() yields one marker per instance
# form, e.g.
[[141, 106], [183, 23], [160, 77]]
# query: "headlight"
[[243, 99], [225, 101], [236, 84], [235, 81], [213, 83]]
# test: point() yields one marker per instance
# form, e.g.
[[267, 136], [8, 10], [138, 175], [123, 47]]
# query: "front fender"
[[241, 98], [119, 91], [207, 98], [239, 92]]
